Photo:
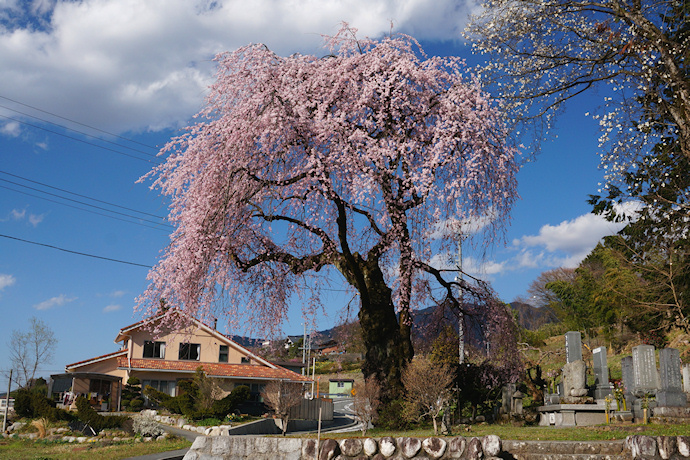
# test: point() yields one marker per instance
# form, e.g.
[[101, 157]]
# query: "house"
[[341, 387], [161, 361]]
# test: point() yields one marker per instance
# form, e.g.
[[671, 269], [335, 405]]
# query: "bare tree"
[[280, 397], [539, 294], [31, 349], [367, 402], [427, 389]]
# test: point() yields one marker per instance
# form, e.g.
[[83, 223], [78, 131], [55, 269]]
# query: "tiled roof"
[[246, 371], [97, 358]]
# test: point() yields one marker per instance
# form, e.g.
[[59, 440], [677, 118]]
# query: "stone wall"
[[487, 447]]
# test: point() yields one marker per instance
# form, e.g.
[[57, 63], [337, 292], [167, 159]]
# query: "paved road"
[[343, 418]]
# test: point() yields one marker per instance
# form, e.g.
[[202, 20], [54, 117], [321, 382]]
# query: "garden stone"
[[309, 448], [351, 447], [434, 447], [683, 444], [329, 449], [667, 446], [474, 449], [456, 447], [370, 447], [491, 445], [387, 446], [409, 447], [641, 447]]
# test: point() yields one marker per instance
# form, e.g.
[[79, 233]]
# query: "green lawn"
[[23, 449], [537, 433]]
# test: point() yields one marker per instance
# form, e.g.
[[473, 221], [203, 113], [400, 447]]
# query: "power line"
[[153, 157], [74, 252], [77, 131], [75, 122], [73, 193], [158, 227]]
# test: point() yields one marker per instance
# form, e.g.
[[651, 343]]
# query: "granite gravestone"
[[573, 346], [645, 379], [671, 392], [686, 378], [602, 387], [645, 374], [628, 380]]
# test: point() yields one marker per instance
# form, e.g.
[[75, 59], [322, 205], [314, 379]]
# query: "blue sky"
[[76, 75]]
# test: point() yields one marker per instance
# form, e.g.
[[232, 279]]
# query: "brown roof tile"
[[248, 371]]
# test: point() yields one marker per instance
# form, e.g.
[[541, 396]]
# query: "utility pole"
[[7, 402], [458, 279]]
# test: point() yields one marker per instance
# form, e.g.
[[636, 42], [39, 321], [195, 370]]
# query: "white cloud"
[[133, 65], [35, 219], [6, 281], [11, 129], [576, 237], [19, 215], [58, 301], [117, 294], [112, 308]]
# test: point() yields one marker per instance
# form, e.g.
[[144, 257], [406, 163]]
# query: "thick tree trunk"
[[386, 338]]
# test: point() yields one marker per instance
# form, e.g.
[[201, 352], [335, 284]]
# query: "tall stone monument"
[[645, 374], [645, 377], [602, 387], [628, 380], [670, 393], [686, 378], [573, 346], [574, 371]]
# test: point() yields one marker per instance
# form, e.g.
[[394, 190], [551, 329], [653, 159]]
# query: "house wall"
[[107, 366], [210, 345]]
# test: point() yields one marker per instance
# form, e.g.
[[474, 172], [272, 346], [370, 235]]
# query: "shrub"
[[225, 406], [32, 404], [391, 416], [88, 415], [146, 426]]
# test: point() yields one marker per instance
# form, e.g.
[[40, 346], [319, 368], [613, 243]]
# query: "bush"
[[31, 404], [146, 426], [225, 406], [391, 416], [88, 415]]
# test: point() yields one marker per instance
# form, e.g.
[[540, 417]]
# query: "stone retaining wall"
[[487, 447]]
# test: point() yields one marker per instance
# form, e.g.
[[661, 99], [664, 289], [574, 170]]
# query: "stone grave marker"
[[671, 392], [628, 380], [686, 378], [602, 387], [645, 374], [573, 346]]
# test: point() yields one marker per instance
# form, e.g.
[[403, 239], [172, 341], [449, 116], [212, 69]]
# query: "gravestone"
[[645, 374], [686, 378], [628, 380], [671, 392], [603, 387], [507, 398], [573, 346], [645, 379]]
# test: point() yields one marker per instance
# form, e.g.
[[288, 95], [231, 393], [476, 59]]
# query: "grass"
[[536, 433], [21, 449]]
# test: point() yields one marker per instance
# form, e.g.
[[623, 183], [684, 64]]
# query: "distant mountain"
[[533, 318]]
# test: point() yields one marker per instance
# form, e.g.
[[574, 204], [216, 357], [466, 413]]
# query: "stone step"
[[549, 449]]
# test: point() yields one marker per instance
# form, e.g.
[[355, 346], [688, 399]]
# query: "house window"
[[223, 354], [166, 386], [341, 384], [244, 360], [190, 351], [154, 349]]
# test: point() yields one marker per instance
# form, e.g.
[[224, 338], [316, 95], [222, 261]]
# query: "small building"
[[341, 387]]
